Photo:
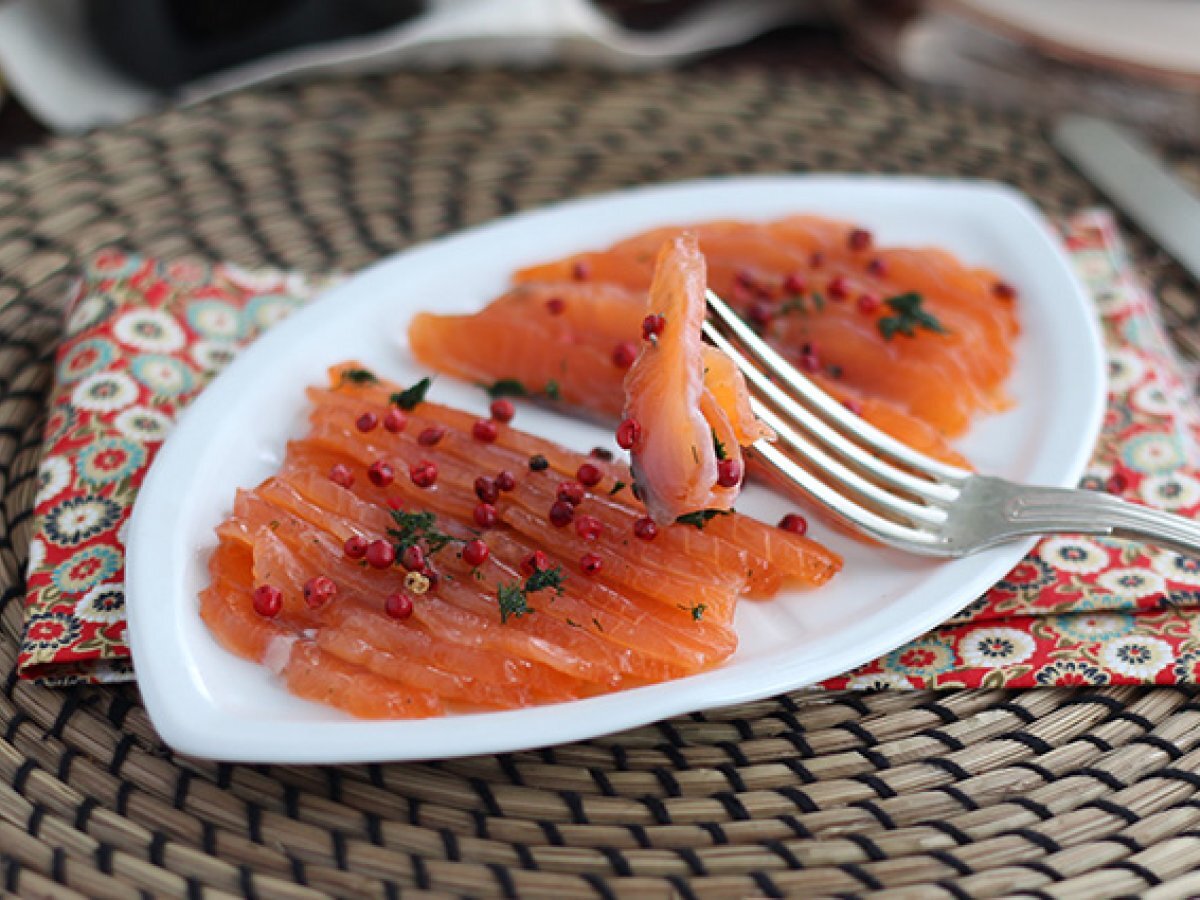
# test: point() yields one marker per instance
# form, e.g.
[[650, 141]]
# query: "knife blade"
[[1131, 175]]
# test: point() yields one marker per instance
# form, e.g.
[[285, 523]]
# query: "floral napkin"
[[145, 336]]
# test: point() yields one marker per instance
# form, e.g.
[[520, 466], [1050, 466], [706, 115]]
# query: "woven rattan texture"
[[1049, 793]]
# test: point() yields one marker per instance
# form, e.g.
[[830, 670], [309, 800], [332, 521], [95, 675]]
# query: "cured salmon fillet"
[[912, 339], [687, 413], [500, 604]]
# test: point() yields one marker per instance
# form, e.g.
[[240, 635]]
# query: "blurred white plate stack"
[[1132, 60]]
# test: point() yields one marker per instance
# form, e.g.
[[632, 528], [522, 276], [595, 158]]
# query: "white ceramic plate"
[[206, 702]]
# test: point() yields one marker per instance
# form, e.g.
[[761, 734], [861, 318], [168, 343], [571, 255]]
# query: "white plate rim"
[[182, 708]]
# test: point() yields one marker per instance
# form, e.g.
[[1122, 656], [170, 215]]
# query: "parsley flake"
[[909, 317], [718, 447], [512, 602], [542, 579], [552, 390], [701, 517], [410, 397], [795, 305], [507, 387], [617, 488], [417, 528], [697, 612], [357, 376]]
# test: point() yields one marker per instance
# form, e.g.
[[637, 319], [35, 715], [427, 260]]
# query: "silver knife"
[[1132, 176]]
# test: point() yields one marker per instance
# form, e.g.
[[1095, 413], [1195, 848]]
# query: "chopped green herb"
[[695, 455], [795, 305], [596, 622], [718, 447], [818, 301], [410, 397], [909, 317], [274, 524], [552, 390], [835, 371], [701, 517], [574, 624], [358, 376], [507, 387], [417, 528], [538, 463], [697, 612], [512, 602], [545, 578], [617, 488]]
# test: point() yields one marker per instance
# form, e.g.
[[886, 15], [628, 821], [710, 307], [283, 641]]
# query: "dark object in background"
[[647, 15], [167, 43], [18, 129]]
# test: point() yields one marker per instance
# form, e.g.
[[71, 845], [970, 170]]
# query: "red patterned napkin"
[[145, 336]]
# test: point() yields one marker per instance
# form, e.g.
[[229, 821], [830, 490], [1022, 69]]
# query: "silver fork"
[[902, 497]]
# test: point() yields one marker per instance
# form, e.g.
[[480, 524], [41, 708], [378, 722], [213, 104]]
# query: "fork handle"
[[1030, 510]]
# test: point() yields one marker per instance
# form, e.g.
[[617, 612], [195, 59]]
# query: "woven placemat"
[[1057, 792]]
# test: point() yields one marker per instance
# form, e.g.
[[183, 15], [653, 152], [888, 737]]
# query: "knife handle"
[[1131, 175]]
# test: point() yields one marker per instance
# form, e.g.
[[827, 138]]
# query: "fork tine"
[[807, 393], [813, 457], [961, 512], [884, 529], [772, 394], [849, 483]]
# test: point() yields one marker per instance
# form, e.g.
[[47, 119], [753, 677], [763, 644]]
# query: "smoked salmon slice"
[[687, 413], [916, 341], [389, 593]]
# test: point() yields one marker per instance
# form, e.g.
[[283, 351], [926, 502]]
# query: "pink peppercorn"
[[340, 474], [380, 554], [398, 605], [794, 522], [561, 513], [395, 420], [268, 601]]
